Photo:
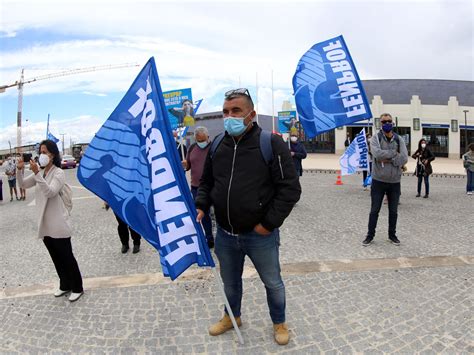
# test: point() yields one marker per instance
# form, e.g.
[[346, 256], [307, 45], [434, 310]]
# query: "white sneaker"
[[469, 192], [75, 296], [59, 292]]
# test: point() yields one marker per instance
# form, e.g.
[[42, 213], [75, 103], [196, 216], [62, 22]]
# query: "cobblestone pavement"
[[399, 310]]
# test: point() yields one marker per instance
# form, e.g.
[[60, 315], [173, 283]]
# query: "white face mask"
[[43, 160], [294, 139], [423, 145]]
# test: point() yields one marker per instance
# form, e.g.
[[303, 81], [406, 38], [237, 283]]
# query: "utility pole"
[[273, 107], [19, 112], [62, 134], [465, 129]]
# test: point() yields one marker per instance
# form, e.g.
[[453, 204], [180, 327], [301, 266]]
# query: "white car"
[[68, 161]]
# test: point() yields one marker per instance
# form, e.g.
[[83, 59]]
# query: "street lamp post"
[[62, 134], [465, 128]]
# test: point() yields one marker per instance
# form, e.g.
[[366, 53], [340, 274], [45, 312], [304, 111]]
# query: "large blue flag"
[[327, 88], [132, 163]]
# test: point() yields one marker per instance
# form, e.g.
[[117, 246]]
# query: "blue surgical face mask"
[[235, 126], [202, 145], [387, 127]]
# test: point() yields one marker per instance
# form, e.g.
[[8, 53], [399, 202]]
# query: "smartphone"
[[26, 157]]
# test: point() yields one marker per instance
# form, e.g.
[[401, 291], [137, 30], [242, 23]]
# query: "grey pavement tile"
[[400, 311]]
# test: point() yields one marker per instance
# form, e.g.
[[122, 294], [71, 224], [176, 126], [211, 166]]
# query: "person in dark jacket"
[[251, 200], [298, 152], [423, 170]]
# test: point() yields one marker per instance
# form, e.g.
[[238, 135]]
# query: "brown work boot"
[[282, 337], [223, 325]]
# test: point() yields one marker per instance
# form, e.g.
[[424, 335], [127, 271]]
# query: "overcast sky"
[[209, 47]]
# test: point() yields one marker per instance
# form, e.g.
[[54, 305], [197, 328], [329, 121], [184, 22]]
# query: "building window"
[[416, 124], [454, 125]]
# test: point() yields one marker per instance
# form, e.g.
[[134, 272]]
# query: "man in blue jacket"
[[251, 198], [389, 154]]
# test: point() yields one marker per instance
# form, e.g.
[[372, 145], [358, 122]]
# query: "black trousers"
[[65, 263], [123, 229], [377, 192]]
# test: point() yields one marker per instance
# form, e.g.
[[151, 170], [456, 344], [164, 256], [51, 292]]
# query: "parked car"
[[68, 161]]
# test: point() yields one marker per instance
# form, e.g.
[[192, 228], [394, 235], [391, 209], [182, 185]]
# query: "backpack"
[[66, 195], [265, 145], [395, 136]]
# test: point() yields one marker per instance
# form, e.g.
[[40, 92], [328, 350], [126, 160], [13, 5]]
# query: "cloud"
[[78, 130], [215, 46], [94, 93]]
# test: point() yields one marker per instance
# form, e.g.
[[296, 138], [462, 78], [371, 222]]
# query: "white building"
[[440, 111]]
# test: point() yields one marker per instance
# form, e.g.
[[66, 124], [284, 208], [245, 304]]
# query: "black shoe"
[[125, 248], [136, 248], [426, 196], [418, 195], [367, 240], [210, 243], [394, 240]]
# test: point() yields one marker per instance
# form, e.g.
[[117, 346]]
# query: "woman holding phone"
[[53, 224]]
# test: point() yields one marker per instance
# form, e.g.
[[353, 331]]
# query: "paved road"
[[400, 308]]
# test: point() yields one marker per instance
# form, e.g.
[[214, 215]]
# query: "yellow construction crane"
[[22, 82]]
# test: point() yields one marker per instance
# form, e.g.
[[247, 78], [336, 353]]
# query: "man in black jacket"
[[251, 198]]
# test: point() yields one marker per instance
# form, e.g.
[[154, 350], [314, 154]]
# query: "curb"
[[334, 171]]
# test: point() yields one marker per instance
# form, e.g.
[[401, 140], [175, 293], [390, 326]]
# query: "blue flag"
[[132, 163], [356, 156], [52, 138], [328, 91]]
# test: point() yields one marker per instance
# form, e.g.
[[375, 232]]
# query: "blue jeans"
[[470, 181], [206, 221], [263, 250], [427, 184], [377, 193]]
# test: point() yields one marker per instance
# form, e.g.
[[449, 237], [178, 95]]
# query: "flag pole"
[[182, 148], [47, 128], [227, 305]]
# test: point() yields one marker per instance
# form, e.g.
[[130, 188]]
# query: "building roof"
[[431, 92]]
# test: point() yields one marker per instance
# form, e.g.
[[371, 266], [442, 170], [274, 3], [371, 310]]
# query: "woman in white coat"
[[53, 217]]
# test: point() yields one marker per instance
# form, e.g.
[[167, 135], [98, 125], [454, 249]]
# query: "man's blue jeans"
[[263, 250]]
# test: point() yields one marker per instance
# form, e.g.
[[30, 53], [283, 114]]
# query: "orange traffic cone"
[[339, 180]]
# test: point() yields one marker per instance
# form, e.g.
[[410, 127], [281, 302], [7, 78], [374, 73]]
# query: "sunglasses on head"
[[237, 92]]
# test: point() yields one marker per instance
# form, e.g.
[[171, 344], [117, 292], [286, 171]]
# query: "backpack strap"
[[215, 143], [266, 146], [395, 136]]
